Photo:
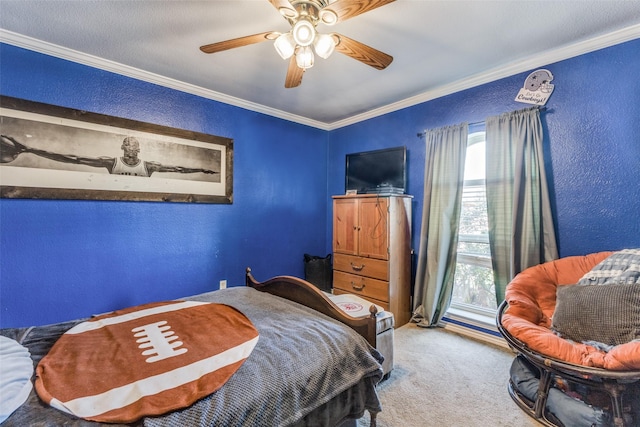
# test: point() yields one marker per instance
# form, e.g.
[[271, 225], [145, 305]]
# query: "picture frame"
[[53, 152]]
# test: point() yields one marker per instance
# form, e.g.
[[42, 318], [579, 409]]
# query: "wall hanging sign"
[[51, 152], [536, 89]]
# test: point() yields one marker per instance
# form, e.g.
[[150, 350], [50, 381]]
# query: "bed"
[[311, 364], [557, 317]]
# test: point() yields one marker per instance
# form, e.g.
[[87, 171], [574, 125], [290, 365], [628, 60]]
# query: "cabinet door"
[[345, 228], [373, 228]]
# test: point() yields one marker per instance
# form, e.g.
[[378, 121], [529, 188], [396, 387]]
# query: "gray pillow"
[[606, 314], [618, 268]]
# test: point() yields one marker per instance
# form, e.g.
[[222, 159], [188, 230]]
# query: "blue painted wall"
[[65, 259], [592, 146]]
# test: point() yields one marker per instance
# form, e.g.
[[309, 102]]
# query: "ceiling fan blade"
[[239, 42], [284, 7], [294, 74], [345, 9], [362, 52]]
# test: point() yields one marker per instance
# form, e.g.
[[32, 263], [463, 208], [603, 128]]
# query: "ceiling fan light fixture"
[[302, 42], [328, 17], [304, 57], [288, 12], [303, 32], [324, 45], [285, 45]]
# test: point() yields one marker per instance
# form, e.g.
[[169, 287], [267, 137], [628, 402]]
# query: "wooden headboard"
[[303, 292]]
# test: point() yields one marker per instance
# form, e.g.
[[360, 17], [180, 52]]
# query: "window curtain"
[[446, 149], [521, 230]]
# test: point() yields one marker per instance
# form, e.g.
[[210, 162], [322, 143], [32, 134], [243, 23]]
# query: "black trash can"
[[318, 271]]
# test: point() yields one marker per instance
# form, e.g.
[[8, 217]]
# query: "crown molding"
[[51, 49], [546, 58], [520, 66]]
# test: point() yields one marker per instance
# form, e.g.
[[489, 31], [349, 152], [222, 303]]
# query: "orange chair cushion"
[[531, 296]]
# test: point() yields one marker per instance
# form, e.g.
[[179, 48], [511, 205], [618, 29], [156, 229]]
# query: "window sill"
[[481, 327], [482, 320]]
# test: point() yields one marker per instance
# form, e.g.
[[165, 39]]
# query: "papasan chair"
[[574, 324]]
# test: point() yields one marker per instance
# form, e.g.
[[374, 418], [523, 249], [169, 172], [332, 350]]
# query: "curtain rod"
[[423, 133]]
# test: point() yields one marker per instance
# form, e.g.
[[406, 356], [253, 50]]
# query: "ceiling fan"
[[304, 16]]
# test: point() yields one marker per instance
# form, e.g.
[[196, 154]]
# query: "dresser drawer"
[[370, 267], [365, 287]]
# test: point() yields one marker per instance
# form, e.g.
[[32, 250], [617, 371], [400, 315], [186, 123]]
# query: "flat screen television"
[[380, 171]]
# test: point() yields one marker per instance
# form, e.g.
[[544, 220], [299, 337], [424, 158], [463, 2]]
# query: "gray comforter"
[[306, 370]]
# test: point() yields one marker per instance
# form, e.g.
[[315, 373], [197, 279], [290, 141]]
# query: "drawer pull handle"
[[357, 267], [357, 288]]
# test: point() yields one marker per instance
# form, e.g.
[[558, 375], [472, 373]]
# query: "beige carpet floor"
[[442, 379]]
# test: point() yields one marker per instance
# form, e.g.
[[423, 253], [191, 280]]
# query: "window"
[[473, 289]]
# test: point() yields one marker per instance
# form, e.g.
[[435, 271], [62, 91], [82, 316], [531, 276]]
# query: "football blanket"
[[144, 360]]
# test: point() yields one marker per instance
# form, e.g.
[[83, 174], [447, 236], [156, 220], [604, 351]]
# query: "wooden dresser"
[[372, 250]]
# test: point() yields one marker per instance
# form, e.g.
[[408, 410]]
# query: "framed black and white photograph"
[[52, 152]]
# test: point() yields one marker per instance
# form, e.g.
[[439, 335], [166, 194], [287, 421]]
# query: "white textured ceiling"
[[438, 47]]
